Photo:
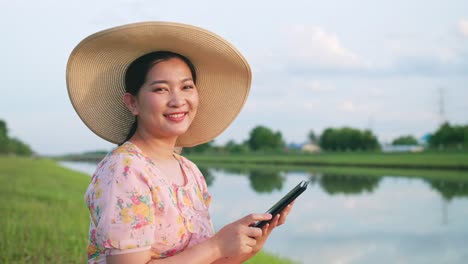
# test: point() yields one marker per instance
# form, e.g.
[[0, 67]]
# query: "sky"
[[395, 67]]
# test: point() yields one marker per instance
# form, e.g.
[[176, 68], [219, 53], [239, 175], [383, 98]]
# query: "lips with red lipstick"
[[176, 117]]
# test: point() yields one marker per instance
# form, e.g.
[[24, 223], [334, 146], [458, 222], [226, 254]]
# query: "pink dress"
[[134, 207]]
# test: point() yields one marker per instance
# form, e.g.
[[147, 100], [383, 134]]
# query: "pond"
[[347, 219]]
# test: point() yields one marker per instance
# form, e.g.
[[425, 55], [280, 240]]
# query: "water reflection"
[[360, 216], [269, 180], [448, 189], [347, 184], [263, 181]]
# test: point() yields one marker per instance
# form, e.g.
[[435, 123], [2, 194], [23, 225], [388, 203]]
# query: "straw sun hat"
[[96, 72]]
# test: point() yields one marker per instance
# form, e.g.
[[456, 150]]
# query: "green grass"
[[44, 218], [264, 258], [423, 160]]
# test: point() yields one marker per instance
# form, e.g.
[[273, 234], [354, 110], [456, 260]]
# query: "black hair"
[[137, 71]]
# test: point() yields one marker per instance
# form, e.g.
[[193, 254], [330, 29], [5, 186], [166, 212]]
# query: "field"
[[44, 218]]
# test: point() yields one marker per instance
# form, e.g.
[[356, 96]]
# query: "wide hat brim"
[[96, 72]]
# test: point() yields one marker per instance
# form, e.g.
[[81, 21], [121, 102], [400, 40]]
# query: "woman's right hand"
[[239, 238]]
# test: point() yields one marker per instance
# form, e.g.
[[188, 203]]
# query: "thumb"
[[251, 218]]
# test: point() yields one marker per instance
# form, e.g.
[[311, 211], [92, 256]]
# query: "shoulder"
[[126, 154], [121, 163], [121, 171], [186, 162], [126, 150]]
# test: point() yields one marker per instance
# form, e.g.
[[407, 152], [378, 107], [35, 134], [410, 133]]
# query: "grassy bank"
[[423, 160], [44, 218]]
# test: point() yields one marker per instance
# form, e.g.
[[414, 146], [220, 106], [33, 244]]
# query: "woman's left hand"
[[277, 220]]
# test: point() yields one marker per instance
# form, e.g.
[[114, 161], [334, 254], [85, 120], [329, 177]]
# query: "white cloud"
[[348, 106], [316, 86], [463, 26], [315, 46], [439, 53]]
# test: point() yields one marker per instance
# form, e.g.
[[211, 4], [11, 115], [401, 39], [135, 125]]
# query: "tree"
[[12, 145], [233, 147], [16, 146], [405, 140], [3, 137], [448, 136], [262, 138], [312, 136], [347, 138], [202, 148]]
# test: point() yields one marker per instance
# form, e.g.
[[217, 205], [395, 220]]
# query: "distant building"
[[402, 148], [310, 148], [424, 140], [295, 146]]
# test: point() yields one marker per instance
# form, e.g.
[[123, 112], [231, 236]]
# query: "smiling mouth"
[[176, 116]]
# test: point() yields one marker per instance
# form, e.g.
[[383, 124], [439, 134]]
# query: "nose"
[[177, 99]]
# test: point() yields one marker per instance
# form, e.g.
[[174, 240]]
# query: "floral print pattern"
[[134, 207]]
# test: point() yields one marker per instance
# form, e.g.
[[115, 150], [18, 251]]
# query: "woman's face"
[[168, 100]]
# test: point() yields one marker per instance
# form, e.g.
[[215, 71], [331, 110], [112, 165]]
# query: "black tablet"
[[281, 204]]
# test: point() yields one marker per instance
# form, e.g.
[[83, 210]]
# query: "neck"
[[155, 148]]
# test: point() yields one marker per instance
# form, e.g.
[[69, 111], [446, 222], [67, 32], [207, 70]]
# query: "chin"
[[177, 132]]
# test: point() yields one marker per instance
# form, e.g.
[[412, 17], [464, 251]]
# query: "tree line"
[[450, 137], [9, 145], [263, 139]]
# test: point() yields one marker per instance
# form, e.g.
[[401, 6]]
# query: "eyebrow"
[[164, 81]]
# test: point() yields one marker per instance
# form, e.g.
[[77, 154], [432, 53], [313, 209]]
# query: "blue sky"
[[316, 64]]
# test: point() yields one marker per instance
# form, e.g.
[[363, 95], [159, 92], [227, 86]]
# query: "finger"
[[249, 219], [254, 232], [266, 230], [250, 242], [284, 215], [274, 222], [282, 219], [288, 208]]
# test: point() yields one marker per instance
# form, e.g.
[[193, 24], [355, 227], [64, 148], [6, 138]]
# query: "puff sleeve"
[[121, 208]]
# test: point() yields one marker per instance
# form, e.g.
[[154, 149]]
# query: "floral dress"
[[134, 207]]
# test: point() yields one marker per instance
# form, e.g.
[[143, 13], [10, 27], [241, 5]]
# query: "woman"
[[132, 86]]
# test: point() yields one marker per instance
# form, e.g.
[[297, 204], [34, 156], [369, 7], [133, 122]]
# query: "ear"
[[131, 103]]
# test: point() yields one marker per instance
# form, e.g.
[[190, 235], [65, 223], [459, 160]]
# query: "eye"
[[187, 87], [159, 89]]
